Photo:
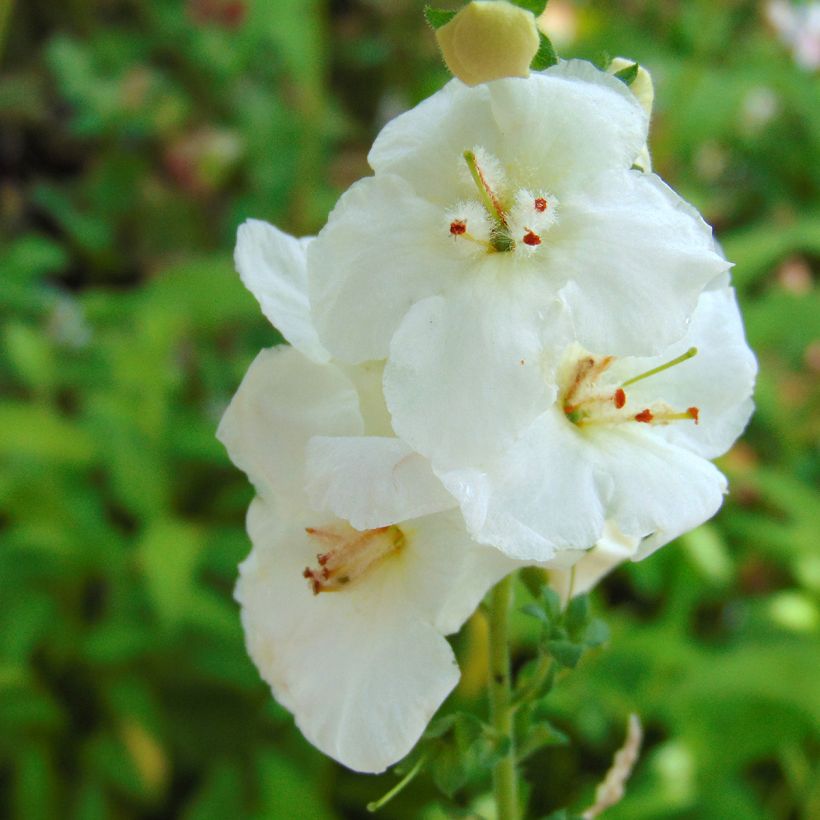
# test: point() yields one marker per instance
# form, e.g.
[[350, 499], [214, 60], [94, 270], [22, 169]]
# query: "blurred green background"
[[135, 135]]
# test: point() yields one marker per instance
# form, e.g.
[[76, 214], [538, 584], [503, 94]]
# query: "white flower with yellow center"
[[623, 439], [360, 565], [517, 191]]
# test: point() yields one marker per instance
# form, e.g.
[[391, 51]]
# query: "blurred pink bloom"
[[798, 26]]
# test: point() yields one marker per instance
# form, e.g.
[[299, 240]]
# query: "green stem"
[[6, 9], [505, 776], [399, 787]]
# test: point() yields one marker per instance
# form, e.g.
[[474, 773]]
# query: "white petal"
[[273, 267], [659, 490], [372, 482], [571, 122], [718, 381], [382, 249], [284, 400], [447, 574], [465, 374], [553, 128], [367, 378], [361, 671], [543, 495], [612, 549], [635, 257]]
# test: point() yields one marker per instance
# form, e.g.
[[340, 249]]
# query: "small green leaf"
[[552, 602], [566, 653], [535, 6], [440, 726], [534, 579], [545, 56], [577, 616], [627, 75], [438, 17], [543, 734], [535, 611], [597, 632]]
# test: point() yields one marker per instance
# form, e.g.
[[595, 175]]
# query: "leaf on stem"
[[437, 18], [545, 56]]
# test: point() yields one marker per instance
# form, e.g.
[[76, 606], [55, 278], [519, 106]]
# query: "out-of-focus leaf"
[[168, 554], [36, 432], [438, 17]]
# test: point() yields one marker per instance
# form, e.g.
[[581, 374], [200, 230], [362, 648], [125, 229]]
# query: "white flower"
[[345, 624], [273, 267], [605, 445], [519, 190]]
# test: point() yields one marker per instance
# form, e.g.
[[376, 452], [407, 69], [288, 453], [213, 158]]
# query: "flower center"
[[501, 218], [350, 554], [587, 402]]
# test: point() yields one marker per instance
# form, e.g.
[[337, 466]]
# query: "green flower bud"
[[487, 40]]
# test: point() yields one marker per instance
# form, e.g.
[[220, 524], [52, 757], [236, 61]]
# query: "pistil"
[[693, 351]]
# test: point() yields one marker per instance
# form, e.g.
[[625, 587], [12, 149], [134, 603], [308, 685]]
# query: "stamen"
[[531, 238], [458, 227], [660, 368], [619, 398], [352, 555], [694, 413], [645, 416], [540, 204]]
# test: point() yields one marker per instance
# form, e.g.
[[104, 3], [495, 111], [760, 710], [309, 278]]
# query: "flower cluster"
[[510, 345]]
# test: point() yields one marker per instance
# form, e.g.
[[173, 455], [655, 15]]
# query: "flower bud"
[[644, 91], [641, 86], [488, 40]]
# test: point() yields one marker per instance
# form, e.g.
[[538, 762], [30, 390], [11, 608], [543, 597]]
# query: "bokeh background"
[[135, 135]]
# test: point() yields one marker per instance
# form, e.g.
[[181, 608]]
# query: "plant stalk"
[[505, 775]]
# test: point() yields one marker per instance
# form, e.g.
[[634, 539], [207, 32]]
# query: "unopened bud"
[[488, 40], [641, 86], [644, 92]]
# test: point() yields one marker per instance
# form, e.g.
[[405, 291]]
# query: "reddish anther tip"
[[531, 238], [458, 227], [619, 398], [540, 204], [644, 416], [694, 412], [307, 573]]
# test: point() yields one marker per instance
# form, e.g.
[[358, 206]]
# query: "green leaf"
[[438, 17], [537, 612], [576, 617], [543, 734], [535, 6], [627, 75], [545, 56], [534, 579], [566, 653], [552, 602], [39, 432], [597, 633], [168, 554]]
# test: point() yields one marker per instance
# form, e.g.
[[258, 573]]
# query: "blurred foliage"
[[134, 136]]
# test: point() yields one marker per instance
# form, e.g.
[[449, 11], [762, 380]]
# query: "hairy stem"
[[505, 776]]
